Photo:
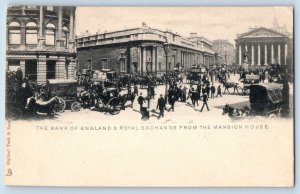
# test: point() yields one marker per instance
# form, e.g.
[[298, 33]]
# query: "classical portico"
[[263, 46]]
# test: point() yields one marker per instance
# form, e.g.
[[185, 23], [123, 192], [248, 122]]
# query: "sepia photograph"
[[149, 96]]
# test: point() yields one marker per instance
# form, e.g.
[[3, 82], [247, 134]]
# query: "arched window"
[[65, 33], [31, 33], [14, 33], [50, 34]]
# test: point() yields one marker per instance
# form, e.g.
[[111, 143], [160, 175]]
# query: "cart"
[[66, 90], [266, 99], [110, 101]]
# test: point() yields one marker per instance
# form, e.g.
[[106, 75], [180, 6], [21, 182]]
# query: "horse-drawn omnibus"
[[195, 74], [67, 91]]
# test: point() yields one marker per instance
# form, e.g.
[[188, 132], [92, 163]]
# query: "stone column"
[[240, 54], [279, 57], [188, 59], [258, 55], [22, 66], [153, 59], [246, 48], [23, 37], [266, 55], [60, 68], [41, 69], [71, 69], [272, 54], [71, 29], [59, 30], [285, 53], [144, 60], [252, 54], [41, 36], [139, 50]]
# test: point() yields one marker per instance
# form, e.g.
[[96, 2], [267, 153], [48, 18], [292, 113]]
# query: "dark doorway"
[[51, 69], [31, 70]]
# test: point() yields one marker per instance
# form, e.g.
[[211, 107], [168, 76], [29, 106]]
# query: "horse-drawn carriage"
[[110, 101], [196, 74], [265, 100], [67, 91]]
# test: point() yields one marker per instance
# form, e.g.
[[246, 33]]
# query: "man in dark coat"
[[207, 90], [213, 90], [205, 99], [194, 97], [285, 98], [161, 104], [172, 100], [19, 75], [25, 91], [141, 101], [219, 91]]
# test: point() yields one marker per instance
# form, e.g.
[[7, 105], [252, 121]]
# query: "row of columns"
[[265, 47], [142, 67], [188, 59]]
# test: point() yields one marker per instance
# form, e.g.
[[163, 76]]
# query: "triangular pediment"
[[262, 32]]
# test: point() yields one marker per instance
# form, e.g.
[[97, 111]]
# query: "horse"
[[234, 112], [228, 85], [42, 107]]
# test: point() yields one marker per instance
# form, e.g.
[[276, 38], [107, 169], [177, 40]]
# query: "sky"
[[211, 22]]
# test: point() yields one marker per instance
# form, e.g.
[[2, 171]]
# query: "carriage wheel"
[[114, 106], [272, 116], [13, 113], [60, 106], [75, 106]]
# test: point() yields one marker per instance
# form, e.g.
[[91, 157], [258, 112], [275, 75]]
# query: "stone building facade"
[[141, 50], [41, 41], [264, 46], [226, 50]]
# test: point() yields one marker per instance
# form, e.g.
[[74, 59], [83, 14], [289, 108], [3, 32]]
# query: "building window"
[[122, 65], [65, 33], [31, 33], [50, 34], [50, 8], [104, 64], [88, 64], [31, 7], [14, 33]]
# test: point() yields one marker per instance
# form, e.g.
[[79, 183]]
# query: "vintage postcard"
[[149, 96]]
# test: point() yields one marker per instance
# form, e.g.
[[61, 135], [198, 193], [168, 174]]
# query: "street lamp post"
[[166, 48]]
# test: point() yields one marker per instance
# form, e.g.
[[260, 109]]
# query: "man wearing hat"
[[141, 101], [204, 99], [161, 104]]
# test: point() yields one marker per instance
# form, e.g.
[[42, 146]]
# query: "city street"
[[184, 112]]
